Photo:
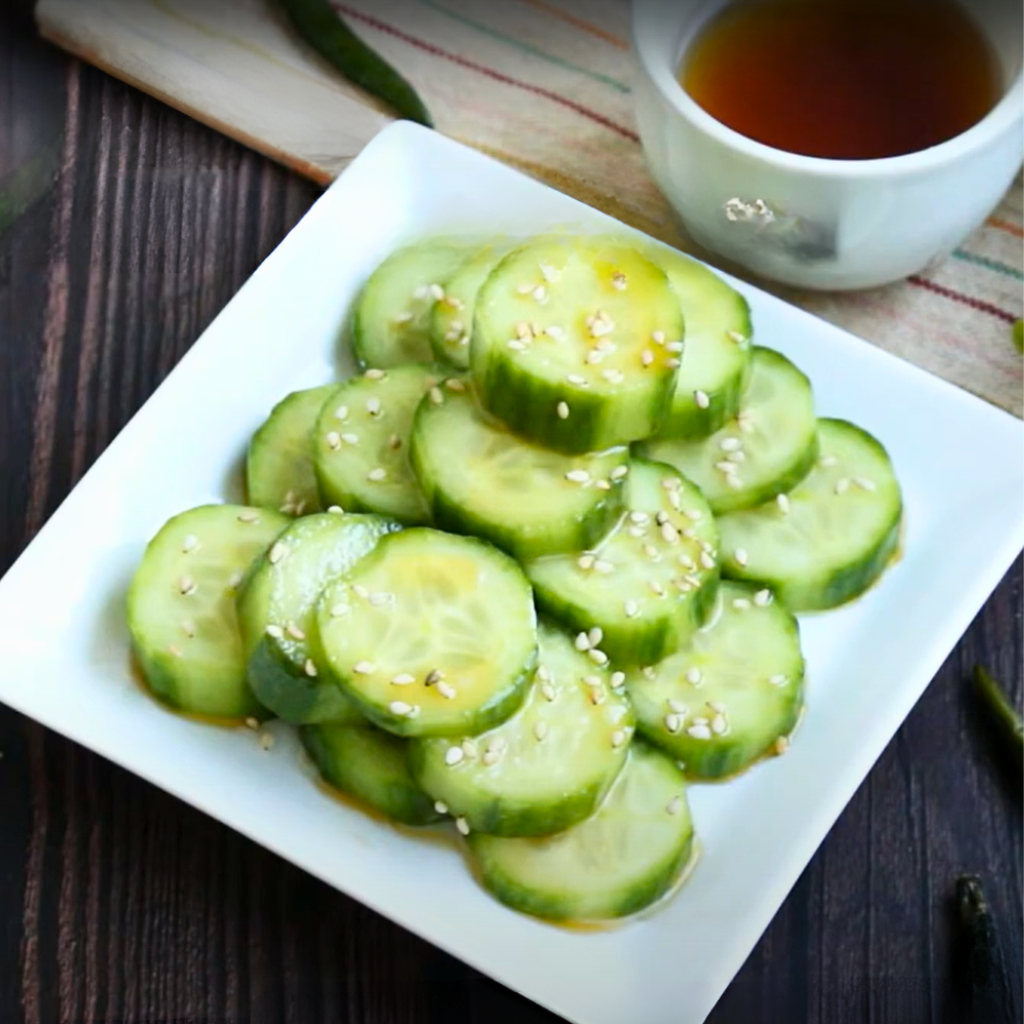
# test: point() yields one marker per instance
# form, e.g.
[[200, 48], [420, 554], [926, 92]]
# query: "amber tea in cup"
[[844, 79]]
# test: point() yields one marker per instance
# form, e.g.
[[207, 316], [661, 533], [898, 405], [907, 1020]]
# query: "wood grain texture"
[[119, 903]]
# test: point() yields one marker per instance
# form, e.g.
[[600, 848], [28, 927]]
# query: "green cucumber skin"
[[529, 405], [400, 799], [838, 587], [628, 644], [688, 421]]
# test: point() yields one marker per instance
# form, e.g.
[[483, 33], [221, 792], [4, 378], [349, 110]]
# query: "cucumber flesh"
[[716, 361], [766, 450], [545, 768], [371, 765], [279, 464], [181, 609], [647, 585], [451, 324], [391, 324], [480, 478], [732, 693], [576, 343], [361, 443], [832, 536], [623, 858], [431, 634], [277, 614]]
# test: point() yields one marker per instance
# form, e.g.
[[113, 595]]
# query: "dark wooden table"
[[124, 228]]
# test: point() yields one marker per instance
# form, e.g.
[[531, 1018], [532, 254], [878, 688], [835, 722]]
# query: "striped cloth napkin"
[[544, 85]]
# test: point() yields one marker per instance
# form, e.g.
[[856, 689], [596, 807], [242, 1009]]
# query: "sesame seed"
[[594, 357], [174, 651], [235, 579], [188, 627], [582, 642], [554, 331], [333, 440], [252, 723], [446, 690], [547, 692], [586, 562], [619, 737], [376, 475], [350, 438], [740, 556], [701, 398], [763, 598], [658, 337], [462, 825], [619, 472], [778, 679], [360, 591], [540, 293], [550, 273], [578, 476], [734, 482], [699, 732], [338, 610], [403, 679], [674, 363], [619, 280], [842, 485], [375, 375], [187, 586], [673, 722], [675, 805], [540, 730], [671, 483], [491, 756], [656, 588], [648, 672], [421, 292], [435, 675], [738, 456], [364, 668], [676, 705], [631, 608], [618, 678], [441, 807], [523, 332], [730, 444], [563, 410], [454, 384], [436, 396], [737, 337], [266, 740], [694, 675], [524, 289], [381, 597], [190, 543], [646, 357], [295, 632], [309, 667], [469, 748], [373, 406], [248, 516], [597, 657], [707, 560], [781, 745], [603, 485], [394, 442], [595, 635], [436, 291], [575, 378], [652, 552], [687, 562], [782, 501], [600, 328], [719, 726], [741, 603], [674, 346], [827, 461], [455, 303], [669, 533], [864, 484], [516, 345], [607, 346], [399, 707], [613, 376]]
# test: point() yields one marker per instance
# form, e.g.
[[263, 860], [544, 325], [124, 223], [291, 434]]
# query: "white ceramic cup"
[[816, 223]]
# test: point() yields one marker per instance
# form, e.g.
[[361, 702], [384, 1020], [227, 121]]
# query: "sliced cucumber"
[[361, 443], [716, 361], [480, 478], [565, 343], [832, 536], [391, 324], [545, 768], [451, 323], [277, 614], [432, 634], [279, 464], [728, 697], [371, 765], [181, 608], [627, 855], [650, 583], [766, 450]]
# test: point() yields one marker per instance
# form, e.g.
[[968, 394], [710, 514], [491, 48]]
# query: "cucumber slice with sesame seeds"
[[716, 361], [631, 852], [431, 634], [391, 322], [181, 608], [451, 322], [766, 450], [563, 346], [829, 538], [545, 768], [361, 443], [371, 765], [649, 583], [480, 478], [279, 463], [277, 613], [733, 694]]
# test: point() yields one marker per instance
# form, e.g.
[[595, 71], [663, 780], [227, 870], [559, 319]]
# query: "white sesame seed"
[[403, 679], [578, 476], [235, 579], [699, 732], [399, 707], [524, 288], [617, 679], [652, 552], [563, 410], [778, 679], [188, 627], [658, 337], [676, 705], [603, 485], [674, 346], [338, 610], [646, 357], [619, 472], [619, 280], [550, 273], [675, 805], [707, 560], [782, 501], [656, 588], [613, 376], [607, 346], [373, 406], [491, 756], [619, 737], [375, 375], [730, 444], [594, 357], [582, 642], [864, 484], [586, 562], [673, 722], [469, 748], [600, 328], [266, 740], [309, 667], [360, 591], [763, 598], [350, 438], [381, 597], [540, 730], [631, 608], [597, 657], [376, 475], [674, 363], [719, 726], [252, 723], [842, 485], [741, 603], [190, 543], [694, 675], [421, 291], [436, 292], [669, 533], [333, 440], [364, 668], [782, 745], [516, 345], [648, 672], [436, 396], [523, 332], [701, 398], [547, 692], [295, 632], [737, 337], [554, 331], [441, 807], [462, 825], [595, 635], [394, 442], [686, 561], [435, 675], [734, 482], [446, 690], [187, 586], [827, 461], [540, 293], [575, 378], [248, 516], [740, 556]]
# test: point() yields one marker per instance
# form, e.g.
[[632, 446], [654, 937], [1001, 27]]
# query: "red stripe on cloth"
[[489, 72], [1005, 225], [964, 300]]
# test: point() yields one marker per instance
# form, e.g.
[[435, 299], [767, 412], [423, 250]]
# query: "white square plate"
[[961, 463]]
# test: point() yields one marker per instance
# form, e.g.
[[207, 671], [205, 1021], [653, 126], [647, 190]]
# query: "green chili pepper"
[[981, 958], [323, 28]]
